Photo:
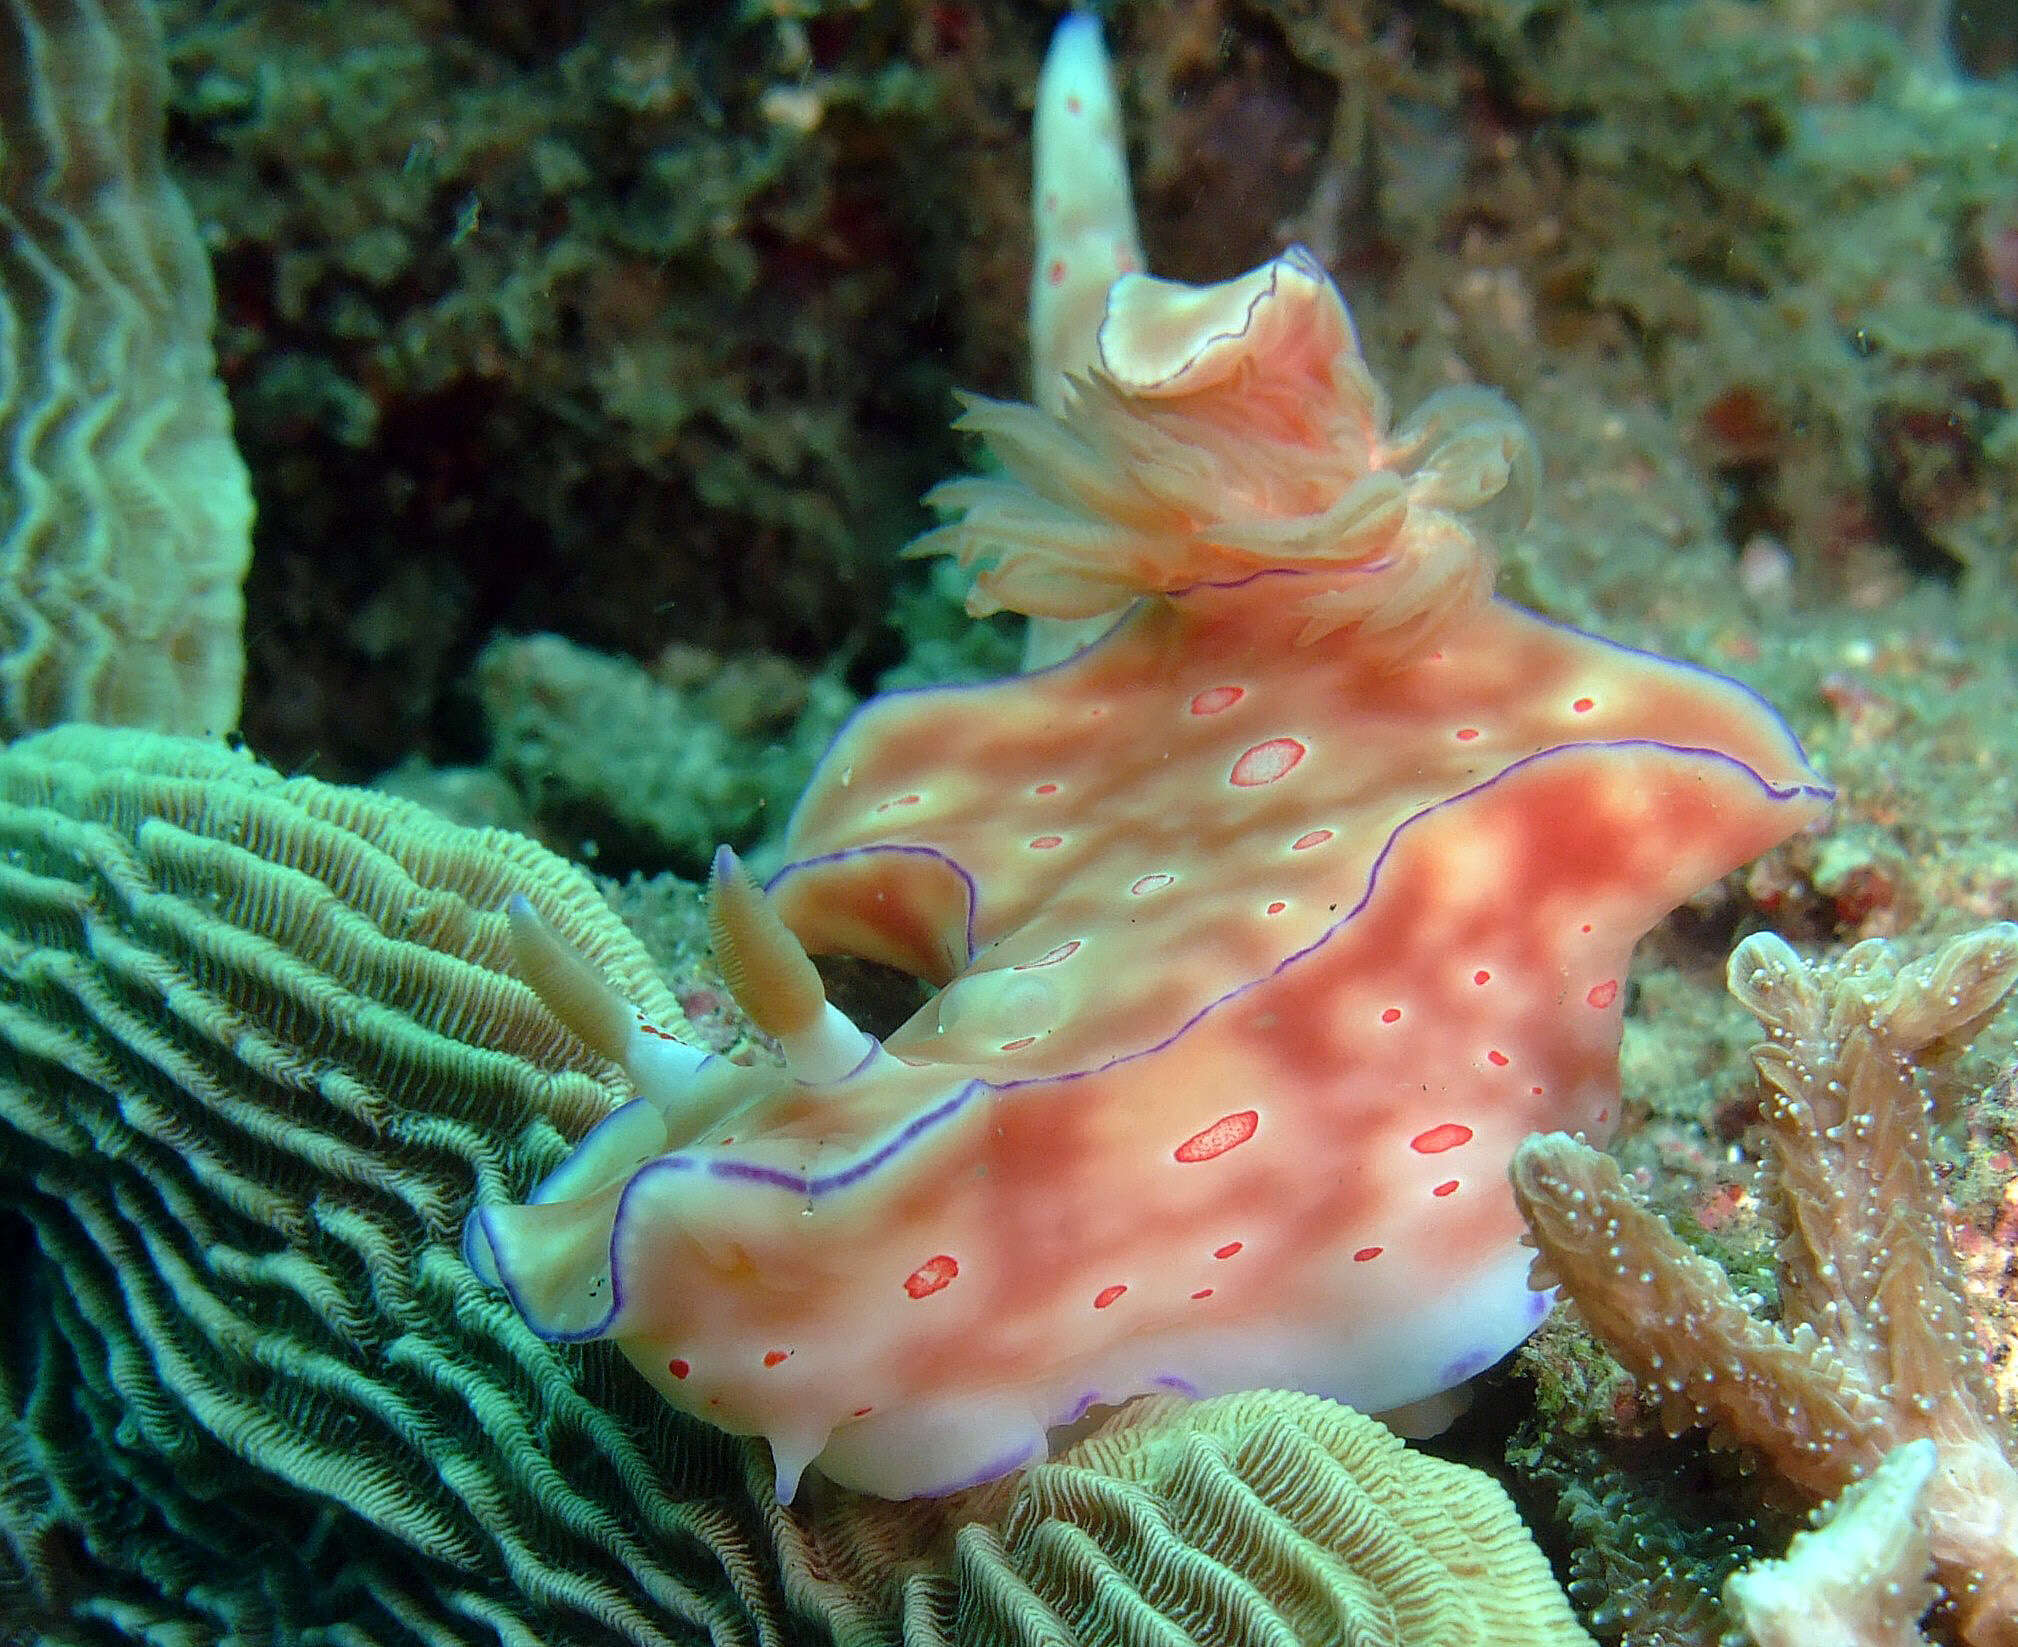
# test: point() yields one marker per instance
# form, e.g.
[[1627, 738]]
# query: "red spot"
[[1496, 1058], [900, 800], [1228, 1250], [1605, 1114], [1107, 1295], [1602, 995], [1018, 1044], [656, 1033], [861, 1412], [1317, 837], [1534, 1092], [1056, 272], [1744, 424], [1465, 734], [1367, 1254], [1044, 843], [1228, 1132], [1073, 105], [952, 27], [1215, 698], [1045, 789], [1481, 976], [1151, 883], [1447, 1187], [1585, 927], [1276, 908], [1438, 1139], [1051, 957], [678, 1368], [931, 1275], [1583, 706], [773, 1358], [1203, 1292], [1266, 762], [1124, 262], [1391, 1016]]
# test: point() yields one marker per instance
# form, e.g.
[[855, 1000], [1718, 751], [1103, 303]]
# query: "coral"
[[256, 1053], [1650, 1540], [125, 522], [1986, 1192], [631, 769], [1872, 1347], [1859, 1576], [1267, 1519]]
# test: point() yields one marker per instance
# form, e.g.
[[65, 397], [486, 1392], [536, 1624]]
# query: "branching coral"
[[1859, 1576], [1873, 1347]]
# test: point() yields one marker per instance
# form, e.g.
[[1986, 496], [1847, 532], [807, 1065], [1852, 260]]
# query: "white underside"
[[1372, 1364]]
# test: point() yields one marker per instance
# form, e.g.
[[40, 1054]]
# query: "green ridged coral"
[[126, 517], [1266, 1519], [257, 1053]]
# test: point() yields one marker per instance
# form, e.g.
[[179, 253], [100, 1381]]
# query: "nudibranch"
[[1263, 927]]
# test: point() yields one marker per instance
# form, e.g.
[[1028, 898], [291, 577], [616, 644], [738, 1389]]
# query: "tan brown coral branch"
[[1873, 1347], [1859, 1576]]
